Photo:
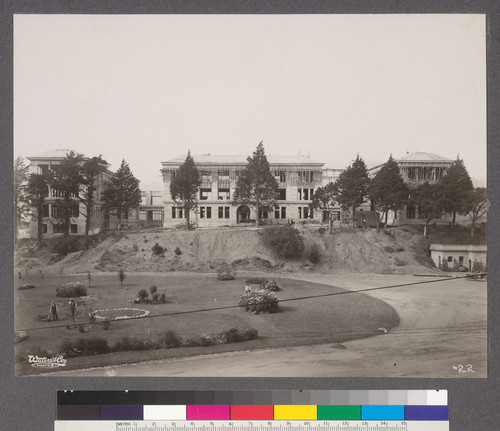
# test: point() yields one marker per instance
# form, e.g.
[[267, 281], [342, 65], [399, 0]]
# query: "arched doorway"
[[242, 214]]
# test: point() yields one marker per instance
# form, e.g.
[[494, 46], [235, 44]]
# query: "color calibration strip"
[[255, 412], [422, 405]]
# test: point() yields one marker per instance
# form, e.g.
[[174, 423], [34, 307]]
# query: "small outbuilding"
[[451, 256]]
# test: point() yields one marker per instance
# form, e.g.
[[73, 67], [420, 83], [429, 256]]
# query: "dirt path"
[[443, 324]]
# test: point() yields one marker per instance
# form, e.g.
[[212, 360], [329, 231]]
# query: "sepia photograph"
[[250, 195]]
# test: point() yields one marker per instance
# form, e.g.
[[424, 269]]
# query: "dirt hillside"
[[359, 251]]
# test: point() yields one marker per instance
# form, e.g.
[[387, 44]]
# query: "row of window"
[[224, 212], [224, 194], [56, 211], [153, 215], [59, 228]]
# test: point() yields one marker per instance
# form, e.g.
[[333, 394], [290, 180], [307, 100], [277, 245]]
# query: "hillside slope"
[[360, 250]]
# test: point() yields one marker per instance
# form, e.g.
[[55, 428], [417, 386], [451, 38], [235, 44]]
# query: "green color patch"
[[339, 413]]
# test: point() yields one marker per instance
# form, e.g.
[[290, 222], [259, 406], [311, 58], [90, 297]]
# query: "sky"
[[148, 88]]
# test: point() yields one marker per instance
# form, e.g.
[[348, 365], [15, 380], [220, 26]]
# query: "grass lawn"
[[320, 320]]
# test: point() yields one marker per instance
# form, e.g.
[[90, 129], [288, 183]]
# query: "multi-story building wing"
[[51, 214], [297, 177]]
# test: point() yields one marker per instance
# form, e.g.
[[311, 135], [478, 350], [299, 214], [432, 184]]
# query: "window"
[[280, 176], [204, 194], [336, 215], [226, 212], [173, 212], [461, 261], [55, 211], [410, 212], [74, 211], [45, 210], [305, 194], [74, 228], [157, 215], [221, 212], [205, 212], [142, 215], [305, 212], [223, 173], [276, 213], [180, 213], [282, 194], [283, 212], [57, 228], [263, 213], [44, 228], [306, 176], [177, 212], [223, 195]]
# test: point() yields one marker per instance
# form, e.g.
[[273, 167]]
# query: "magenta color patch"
[[208, 413]]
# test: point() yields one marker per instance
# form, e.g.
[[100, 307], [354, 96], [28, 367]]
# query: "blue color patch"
[[383, 413]]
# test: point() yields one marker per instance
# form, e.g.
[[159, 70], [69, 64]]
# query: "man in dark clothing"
[[53, 311]]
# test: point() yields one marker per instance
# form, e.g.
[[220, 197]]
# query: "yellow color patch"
[[295, 413]]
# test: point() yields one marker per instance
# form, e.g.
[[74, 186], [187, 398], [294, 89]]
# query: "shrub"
[[142, 294], [157, 249], [177, 251], [155, 297], [271, 285], [106, 324], [162, 299], [72, 289], [206, 340], [256, 280], [84, 347], [400, 249], [250, 334], [314, 254], [285, 241], [125, 344], [389, 249], [26, 286], [399, 262], [232, 335], [259, 301], [153, 289], [171, 340], [225, 273], [66, 244]]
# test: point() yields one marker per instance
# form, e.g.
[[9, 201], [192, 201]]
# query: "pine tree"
[[90, 171], [324, 199], [478, 205], [21, 200], [37, 193], [455, 187], [351, 187], [122, 192], [184, 187], [65, 181], [388, 190], [256, 186], [428, 197]]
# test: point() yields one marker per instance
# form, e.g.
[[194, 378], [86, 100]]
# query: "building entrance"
[[242, 214]]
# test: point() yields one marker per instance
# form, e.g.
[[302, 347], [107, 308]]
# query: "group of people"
[[54, 308]]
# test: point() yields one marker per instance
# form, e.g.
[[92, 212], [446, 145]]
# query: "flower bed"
[[119, 313]]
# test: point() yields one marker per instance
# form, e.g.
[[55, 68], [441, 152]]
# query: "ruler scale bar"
[[253, 426]]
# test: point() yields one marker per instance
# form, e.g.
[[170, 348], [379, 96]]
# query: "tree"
[[21, 198], [122, 192], [428, 197], [65, 180], [37, 192], [91, 169], [184, 187], [351, 186], [324, 199], [455, 188], [388, 190], [256, 186], [478, 205]]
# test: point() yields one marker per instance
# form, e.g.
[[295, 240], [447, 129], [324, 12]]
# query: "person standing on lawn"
[[53, 311], [72, 307]]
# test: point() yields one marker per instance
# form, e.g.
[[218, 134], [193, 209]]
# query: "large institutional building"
[[297, 177]]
